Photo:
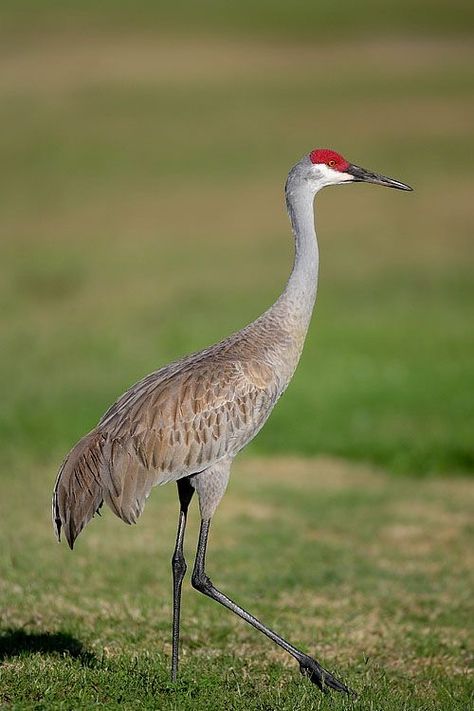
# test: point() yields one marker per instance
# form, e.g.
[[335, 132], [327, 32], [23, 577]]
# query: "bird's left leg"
[[210, 486], [178, 564], [308, 666]]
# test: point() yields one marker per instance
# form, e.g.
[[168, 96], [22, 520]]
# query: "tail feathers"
[[78, 493], [99, 469]]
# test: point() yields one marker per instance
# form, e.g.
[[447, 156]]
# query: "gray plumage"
[[188, 420]]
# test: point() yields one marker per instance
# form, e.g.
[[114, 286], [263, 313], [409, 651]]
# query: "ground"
[[370, 573]]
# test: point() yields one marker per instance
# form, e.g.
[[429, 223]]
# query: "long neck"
[[297, 300]]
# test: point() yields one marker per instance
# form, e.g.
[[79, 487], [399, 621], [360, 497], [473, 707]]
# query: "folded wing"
[[173, 423]]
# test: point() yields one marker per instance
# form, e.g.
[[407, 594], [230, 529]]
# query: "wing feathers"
[[171, 424]]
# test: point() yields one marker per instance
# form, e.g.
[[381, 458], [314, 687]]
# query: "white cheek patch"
[[329, 176]]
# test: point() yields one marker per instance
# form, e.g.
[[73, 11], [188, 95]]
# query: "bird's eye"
[[331, 163]]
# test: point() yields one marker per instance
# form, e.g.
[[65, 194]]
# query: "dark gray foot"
[[321, 677]]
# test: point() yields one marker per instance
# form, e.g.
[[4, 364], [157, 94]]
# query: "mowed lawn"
[[371, 573], [142, 217]]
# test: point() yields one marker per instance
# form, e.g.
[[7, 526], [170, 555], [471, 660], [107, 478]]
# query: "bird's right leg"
[[178, 564]]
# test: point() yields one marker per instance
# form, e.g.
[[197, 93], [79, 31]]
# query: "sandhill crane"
[[186, 421]]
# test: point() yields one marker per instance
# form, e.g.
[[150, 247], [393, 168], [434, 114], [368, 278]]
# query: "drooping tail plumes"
[[78, 493], [101, 468]]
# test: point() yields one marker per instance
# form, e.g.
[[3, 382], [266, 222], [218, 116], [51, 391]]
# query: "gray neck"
[[299, 295]]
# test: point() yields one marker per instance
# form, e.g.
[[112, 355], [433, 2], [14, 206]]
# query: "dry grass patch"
[[70, 63], [325, 473]]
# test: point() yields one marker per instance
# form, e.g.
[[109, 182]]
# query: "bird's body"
[[188, 420], [176, 422]]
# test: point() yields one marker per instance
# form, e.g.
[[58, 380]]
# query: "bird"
[[187, 421]]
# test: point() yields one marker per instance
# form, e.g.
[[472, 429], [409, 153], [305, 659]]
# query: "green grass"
[[275, 18], [143, 218], [144, 149], [370, 573]]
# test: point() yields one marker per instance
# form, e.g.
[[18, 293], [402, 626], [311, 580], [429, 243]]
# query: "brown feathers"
[[78, 492], [177, 421]]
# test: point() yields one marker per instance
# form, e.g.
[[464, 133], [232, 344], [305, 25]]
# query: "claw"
[[323, 679]]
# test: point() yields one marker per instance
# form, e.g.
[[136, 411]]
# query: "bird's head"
[[324, 167]]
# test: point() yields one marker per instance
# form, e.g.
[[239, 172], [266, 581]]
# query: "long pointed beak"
[[361, 175]]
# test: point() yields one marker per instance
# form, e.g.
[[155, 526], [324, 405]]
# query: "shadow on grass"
[[17, 642]]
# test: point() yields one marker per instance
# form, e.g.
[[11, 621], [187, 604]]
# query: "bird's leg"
[[178, 564], [308, 666]]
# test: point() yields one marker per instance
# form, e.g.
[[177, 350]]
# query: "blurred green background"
[[144, 149]]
